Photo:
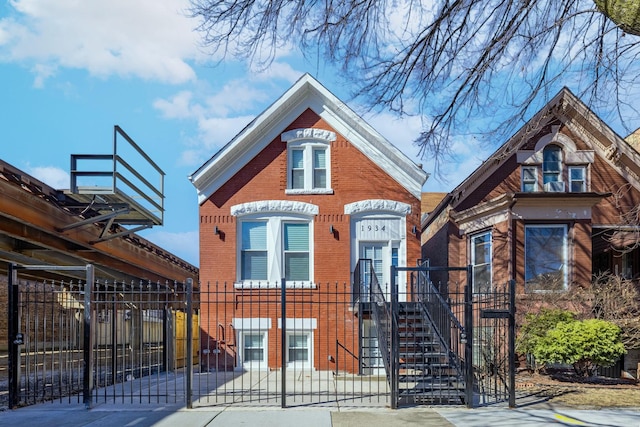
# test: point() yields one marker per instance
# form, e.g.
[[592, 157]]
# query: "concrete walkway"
[[328, 405], [170, 416]]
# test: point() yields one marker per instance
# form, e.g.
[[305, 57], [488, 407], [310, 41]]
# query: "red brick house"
[[302, 193], [547, 209]]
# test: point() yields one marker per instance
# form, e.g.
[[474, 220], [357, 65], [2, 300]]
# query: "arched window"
[[552, 168]]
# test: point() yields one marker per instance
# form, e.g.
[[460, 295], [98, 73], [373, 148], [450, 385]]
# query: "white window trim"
[[299, 326], [275, 212], [535, 175], [253, 326], [275, 251], [309, 138], [560, 172], [300, 363], [473, 256], [565, 255], [308, 146], [584, 177], [262, 364]]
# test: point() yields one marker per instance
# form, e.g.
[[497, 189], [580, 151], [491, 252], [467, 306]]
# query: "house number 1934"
[[373, 227]]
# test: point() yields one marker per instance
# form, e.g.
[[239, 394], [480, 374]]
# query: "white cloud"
[[400, 131], [403, 131], [236, 96], [177, 107], [149, 39], [277, 71], [182, 244], [217, 131], [50, 175], [221, 113]]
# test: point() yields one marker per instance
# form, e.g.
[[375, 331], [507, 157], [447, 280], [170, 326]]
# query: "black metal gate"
[[91, 341], [449, 342]]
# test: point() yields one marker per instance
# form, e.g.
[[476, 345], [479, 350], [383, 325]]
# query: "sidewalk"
[[50, 414], [330, 410]]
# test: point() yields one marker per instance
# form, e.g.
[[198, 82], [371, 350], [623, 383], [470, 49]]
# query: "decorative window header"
[[274, 206], [377, 205], [558, 138], [308, 133]]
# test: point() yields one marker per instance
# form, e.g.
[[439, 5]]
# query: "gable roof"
[[581, 121], [306, 93]]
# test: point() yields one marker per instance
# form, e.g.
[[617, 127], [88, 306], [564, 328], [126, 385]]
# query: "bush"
[[536, 326], [584, 344]]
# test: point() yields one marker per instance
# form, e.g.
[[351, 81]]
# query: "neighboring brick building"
[[302, 193], [547, 209]]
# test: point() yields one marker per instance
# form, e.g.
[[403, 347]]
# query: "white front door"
[[376, 253], [381, 239]]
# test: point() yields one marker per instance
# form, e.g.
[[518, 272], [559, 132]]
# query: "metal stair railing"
[[438, 314]]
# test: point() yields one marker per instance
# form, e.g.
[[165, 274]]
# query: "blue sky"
[[70, 70]]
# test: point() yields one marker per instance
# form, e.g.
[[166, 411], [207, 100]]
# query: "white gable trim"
[[306, 93]]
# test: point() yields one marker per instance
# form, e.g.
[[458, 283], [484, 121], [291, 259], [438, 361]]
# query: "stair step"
[[420, 354], [423, 365], [416, 334], [432, 385], [435, 397]]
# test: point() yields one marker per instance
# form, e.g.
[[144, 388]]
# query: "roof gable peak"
[[306, 93]]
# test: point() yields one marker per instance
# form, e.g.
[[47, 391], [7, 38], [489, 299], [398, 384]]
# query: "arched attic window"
[[557, 163], [552, 168]]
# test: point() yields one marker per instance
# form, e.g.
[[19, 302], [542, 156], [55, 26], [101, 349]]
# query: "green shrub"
[[584, 344], [536, 326]]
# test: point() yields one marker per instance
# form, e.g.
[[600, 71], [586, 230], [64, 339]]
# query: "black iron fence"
[[88, 340], [279, 344], [283, 344]]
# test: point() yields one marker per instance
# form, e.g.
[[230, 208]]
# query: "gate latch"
[[19, 339]]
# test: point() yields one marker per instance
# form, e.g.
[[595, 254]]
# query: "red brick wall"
[[354, 177], [501, 253]]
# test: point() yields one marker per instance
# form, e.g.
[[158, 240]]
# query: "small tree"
[[585, 344]]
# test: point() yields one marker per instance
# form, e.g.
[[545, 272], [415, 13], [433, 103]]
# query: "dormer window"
[[555, 165], [308, 161]]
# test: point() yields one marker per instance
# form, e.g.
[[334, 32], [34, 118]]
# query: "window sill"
[[293, 191], [273, 285]]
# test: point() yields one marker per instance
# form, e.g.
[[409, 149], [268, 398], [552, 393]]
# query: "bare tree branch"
[[459, 63]]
